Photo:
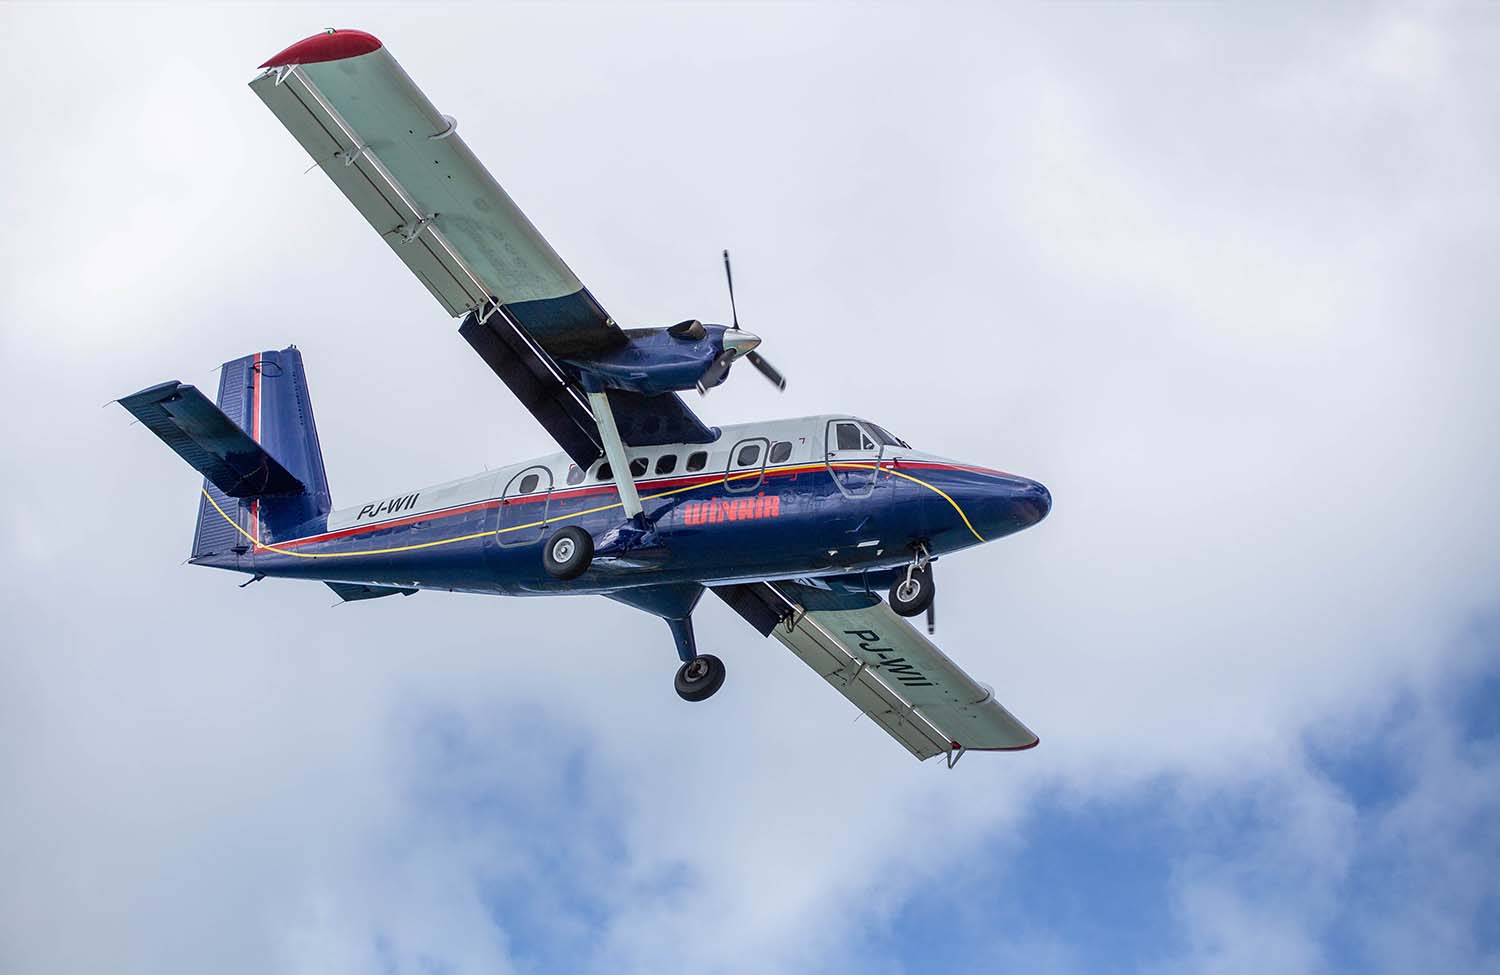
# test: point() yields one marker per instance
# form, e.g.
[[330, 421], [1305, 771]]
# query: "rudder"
[[266, 395]]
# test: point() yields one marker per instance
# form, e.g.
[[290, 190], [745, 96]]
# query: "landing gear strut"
[[911, 595], [701, 674]]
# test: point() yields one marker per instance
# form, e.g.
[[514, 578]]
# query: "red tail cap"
[[331, 45]]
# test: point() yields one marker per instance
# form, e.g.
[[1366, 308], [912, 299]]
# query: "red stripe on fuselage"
[[702, 480], [936, 466], [582, 491], [255, 435]]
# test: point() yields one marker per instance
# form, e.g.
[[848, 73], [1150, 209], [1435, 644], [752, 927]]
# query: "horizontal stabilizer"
[[205, 437], [350, 592]]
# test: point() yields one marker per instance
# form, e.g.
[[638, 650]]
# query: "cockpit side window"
[[848, 437]]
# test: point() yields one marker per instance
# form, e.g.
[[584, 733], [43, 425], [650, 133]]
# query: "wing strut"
[[614, 449]]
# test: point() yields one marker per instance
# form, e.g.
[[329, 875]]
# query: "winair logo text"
[[731, 509], [870, 642], [388, 507]]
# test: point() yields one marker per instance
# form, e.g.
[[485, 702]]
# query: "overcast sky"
[[1222, 277]]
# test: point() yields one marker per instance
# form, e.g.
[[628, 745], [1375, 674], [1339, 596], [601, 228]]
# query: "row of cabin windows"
[[847, 435], [667, 464]]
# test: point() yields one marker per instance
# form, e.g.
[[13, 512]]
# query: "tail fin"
[[257, 449]]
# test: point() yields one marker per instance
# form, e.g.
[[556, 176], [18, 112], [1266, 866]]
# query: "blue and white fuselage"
[[814, 497]]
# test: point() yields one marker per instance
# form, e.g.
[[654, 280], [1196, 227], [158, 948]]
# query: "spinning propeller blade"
[[721, 365], [729, 276], [715, 371], [766, 369]]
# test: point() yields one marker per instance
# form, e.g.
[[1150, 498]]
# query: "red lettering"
[[731, 509]]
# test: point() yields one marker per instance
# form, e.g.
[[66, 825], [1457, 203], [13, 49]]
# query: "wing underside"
[[884, 666], [404, 167], [407, 171]]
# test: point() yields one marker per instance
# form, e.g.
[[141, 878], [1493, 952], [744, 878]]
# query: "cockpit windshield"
[[886, 437]]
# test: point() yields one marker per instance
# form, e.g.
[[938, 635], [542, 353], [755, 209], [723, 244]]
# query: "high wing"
[[405, 168], [884, 666]]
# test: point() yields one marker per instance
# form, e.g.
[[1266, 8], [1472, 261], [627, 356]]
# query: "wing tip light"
[[330, 45]]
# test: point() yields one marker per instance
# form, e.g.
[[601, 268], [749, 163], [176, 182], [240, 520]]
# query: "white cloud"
[[1220, 280]]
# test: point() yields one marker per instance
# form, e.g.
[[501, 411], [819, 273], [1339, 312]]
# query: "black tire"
[[911, 598], [568, 553], [699, 678]]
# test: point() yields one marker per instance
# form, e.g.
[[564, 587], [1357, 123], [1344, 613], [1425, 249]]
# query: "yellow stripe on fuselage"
[[259, 547]]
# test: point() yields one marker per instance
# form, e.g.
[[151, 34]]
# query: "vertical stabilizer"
[[266, 395]]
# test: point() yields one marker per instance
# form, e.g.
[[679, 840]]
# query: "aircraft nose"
[[1032, 501], [1006, 503]]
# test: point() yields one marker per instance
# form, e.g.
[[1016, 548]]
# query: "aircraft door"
[[853, 457], [523, 507]]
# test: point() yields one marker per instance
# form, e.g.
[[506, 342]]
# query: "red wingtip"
[[331, 45]]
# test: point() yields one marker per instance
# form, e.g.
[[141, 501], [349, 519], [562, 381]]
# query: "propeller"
[[715, 371], [754, 358]]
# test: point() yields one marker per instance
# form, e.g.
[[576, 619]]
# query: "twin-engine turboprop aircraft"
[[798, 525]]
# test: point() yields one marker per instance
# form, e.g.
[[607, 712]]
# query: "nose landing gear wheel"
[[912, 593], [568, 553], [697, 679]]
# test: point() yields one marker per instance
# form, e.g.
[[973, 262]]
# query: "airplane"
[[798, 525]]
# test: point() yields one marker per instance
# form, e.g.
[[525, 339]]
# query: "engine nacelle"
[[689, 355]]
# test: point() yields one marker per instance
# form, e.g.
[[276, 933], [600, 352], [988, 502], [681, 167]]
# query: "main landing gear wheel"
[[568, 553], [912, 593], [697, 679]]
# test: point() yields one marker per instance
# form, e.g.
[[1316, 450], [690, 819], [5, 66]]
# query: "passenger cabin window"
[[666, 463], [697, 460], [529, 483], [604, 473], [638, 467], [780, 451], [850, 437], [575, 474], [748, 455]]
